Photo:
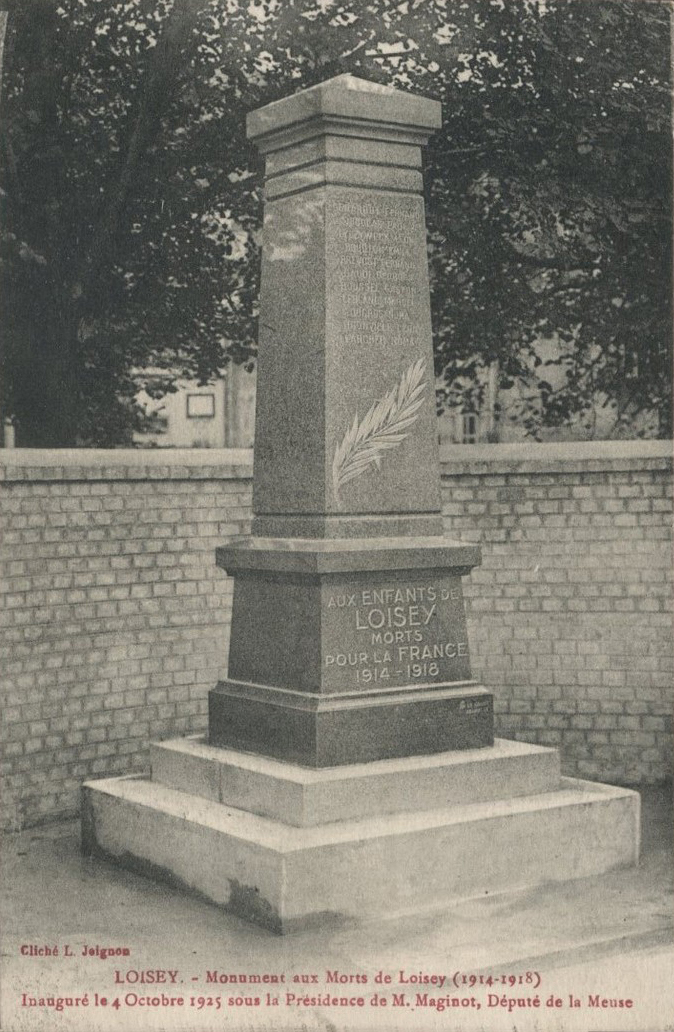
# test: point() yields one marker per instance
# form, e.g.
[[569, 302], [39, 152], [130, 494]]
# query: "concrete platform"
[[611, 934], [284, 877], [304, 796]]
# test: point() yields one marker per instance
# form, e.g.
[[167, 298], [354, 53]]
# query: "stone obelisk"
[[348, 639], [349, 769]]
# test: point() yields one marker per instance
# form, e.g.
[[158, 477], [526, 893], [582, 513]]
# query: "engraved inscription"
[[475, 705], [369, 210], [376, 278], [390, 636]]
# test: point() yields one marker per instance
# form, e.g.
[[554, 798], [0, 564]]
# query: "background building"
[[216, 415]]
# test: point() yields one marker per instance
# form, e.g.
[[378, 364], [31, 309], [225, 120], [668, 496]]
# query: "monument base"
[[345, 651], [326, 731], [286, 846]]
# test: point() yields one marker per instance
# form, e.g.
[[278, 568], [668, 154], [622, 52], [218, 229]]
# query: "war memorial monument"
[[350, 767]]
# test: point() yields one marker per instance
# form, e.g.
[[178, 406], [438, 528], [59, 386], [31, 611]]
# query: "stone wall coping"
[[126, 464], [237, 463], [555, 457]]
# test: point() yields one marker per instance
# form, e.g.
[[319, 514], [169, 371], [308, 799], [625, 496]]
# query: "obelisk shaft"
[[346, 431]]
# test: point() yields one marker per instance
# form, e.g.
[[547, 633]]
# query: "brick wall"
[[115, 621], [115, 616], [570, 615]]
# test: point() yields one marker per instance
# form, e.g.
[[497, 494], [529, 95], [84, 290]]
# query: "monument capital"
[[344, 103]]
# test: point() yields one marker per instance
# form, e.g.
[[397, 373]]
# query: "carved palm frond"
[[380, 430]]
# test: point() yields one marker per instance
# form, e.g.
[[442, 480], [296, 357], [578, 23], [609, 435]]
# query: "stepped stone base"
[[302, 796], [285, 846]]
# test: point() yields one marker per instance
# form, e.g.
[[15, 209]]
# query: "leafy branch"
[[381, 428]]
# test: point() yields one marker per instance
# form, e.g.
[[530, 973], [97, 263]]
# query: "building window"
[[200, 406], [469, 430]]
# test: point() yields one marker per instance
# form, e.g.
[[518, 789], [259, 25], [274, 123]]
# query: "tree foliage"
[[132, 198]]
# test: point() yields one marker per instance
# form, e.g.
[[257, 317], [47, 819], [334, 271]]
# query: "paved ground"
[[596, 939]]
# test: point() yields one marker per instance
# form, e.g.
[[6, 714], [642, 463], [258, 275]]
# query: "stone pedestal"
[[350, 767], [344, 652]]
